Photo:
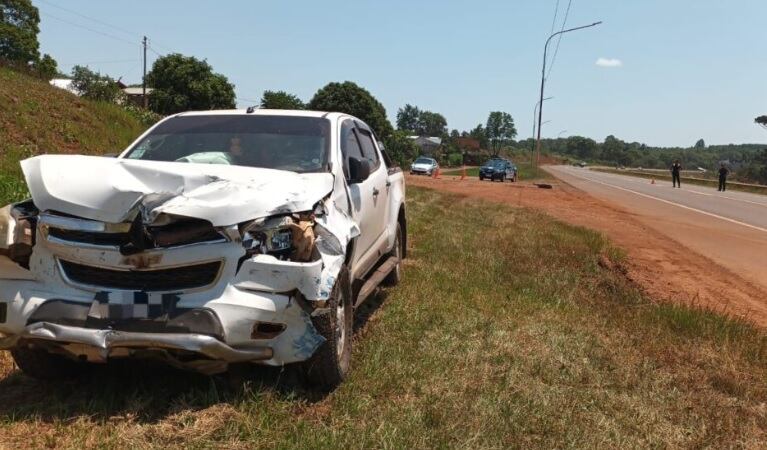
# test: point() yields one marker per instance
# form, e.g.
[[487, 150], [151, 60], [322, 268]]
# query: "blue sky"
[[688, 69]]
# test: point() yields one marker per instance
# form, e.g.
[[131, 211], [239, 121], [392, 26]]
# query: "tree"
[[700, 144], [46, 67], [183, 83], [401, 148], [455, 134], [479, 134], [432, 124], [761, 120], [349, 98], [583, 148], [19, 25], [408, 118], [95, 86], [500, 128], [281, 100]]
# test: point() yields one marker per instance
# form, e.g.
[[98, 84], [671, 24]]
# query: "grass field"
[[755, 189], [510, 330], [36, 118]]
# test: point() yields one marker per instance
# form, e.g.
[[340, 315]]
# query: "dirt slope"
[[665, 269]]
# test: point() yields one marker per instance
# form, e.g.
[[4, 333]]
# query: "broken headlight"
[[286, 238], [17, 231], [268, 237]]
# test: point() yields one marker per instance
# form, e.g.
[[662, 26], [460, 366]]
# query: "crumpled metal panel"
[[315, 280], [223, 195]]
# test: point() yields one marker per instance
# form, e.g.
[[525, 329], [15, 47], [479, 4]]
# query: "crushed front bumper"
[[100, 345]]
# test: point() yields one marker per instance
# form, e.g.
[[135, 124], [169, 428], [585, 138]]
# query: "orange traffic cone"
[[463, 173], [436, 173]]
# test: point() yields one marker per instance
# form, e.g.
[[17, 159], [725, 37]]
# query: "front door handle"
[[375, 192]]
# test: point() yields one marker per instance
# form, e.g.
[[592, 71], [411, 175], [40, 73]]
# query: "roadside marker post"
[[463, 173], [652, 181]]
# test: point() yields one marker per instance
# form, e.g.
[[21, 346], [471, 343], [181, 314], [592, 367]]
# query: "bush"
[[94, 86], [455, 159], [145, 116]]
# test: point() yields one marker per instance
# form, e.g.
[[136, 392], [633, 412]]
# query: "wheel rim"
[[340, 326], [398, 252]]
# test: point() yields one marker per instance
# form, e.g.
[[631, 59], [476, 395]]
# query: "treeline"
[[747, 161]]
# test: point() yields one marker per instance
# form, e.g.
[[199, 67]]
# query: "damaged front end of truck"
[[200, 268]]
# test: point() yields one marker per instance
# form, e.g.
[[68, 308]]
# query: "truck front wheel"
[[330, 364], [395, 275]]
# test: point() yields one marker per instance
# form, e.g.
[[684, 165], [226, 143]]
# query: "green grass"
[[510, 330], [36, 118], [754, 189]]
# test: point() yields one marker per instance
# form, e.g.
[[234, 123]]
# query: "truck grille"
[[162, 280]]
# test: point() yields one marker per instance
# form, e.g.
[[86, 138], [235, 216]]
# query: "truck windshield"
[[297, 144]]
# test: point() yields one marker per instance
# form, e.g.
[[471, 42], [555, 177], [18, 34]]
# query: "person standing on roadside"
[[676, 170], [723, 172]]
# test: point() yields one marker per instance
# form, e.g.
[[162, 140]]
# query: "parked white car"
[[424, 166], [215, 238]]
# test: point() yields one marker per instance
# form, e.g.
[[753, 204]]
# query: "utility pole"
[[143, 79], [543, 84]]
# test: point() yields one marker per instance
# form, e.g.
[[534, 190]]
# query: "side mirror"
[[359, 170]]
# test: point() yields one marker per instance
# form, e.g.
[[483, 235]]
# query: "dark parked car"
[[498, 169]]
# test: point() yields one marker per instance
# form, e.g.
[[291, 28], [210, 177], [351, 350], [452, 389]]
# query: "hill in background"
[[37, 118]]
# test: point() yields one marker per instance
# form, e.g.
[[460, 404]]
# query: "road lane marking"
[[717, 216], [636, 180]]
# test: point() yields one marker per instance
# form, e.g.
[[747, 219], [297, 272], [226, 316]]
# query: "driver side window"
[[350, 146]]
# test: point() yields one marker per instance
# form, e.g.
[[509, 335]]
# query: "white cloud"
[[609, 62]]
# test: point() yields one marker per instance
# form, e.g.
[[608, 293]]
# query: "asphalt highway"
[[728, 227]]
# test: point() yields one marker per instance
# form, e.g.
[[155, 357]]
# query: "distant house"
[[64, 83], [135, 95], [428, 144], [467, 143]]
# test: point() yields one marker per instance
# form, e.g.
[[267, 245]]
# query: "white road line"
[[636, 180], [737, 222]]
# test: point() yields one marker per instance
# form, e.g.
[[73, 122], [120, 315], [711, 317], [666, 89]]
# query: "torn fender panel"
[[223, 195], [315, 280]]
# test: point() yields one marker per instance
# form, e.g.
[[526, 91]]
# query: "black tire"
[[330, 364], [503, 178], [481, 178], [395, 276], [42, 365]]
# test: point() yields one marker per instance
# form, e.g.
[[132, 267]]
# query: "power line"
[[101, 22], [133, 34], [559, 39], [88, 28], [115, 61], [556, 13]]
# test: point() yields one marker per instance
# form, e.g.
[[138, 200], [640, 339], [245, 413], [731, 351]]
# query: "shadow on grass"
[[146, 391], [149, 391]]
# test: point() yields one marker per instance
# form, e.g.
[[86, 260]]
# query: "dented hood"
[[112, 190]]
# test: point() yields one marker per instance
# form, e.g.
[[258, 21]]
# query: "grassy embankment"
[[509, 330], [36, 118], [666, 176]]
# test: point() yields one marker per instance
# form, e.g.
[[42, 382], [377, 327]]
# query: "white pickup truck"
[[217, 237]]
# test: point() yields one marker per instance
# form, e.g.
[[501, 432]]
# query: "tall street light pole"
[[535, 117], [543, 84]]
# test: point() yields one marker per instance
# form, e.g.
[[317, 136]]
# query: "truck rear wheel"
[[330, 364], [42, 365]]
